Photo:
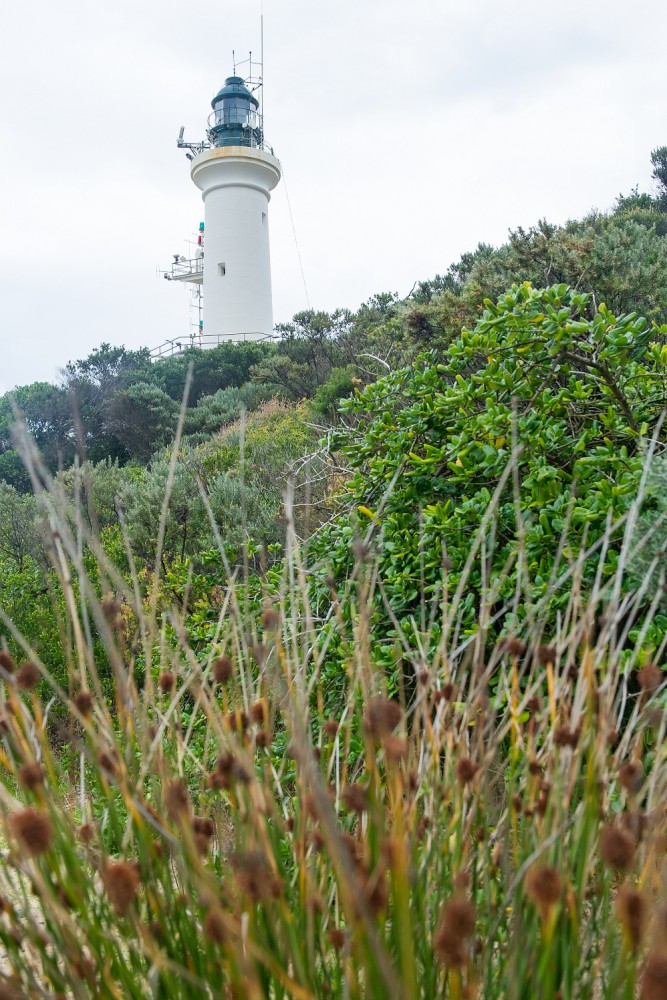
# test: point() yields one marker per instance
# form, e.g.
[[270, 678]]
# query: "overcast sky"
[[408, 133]]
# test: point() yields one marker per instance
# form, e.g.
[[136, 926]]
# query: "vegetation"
[[571, 398], [210, 830], [335, 667]]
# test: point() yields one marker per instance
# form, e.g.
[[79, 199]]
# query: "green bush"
[[428, 445]]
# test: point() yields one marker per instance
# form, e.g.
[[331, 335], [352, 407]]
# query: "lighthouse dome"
[[234, 90]]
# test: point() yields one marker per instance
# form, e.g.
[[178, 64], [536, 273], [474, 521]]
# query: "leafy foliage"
[[429, 445]]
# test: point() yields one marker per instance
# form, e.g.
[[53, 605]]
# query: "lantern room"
[[235, 120]]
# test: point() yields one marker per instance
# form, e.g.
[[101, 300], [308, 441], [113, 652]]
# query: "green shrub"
[[427, 446]]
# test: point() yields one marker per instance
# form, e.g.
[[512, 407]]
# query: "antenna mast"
[[261, 63]]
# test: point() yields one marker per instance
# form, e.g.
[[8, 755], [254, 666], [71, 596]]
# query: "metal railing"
[[204, 341], [186, 270]]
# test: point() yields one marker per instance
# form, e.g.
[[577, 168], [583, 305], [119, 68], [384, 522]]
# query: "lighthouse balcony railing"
[[236, 130], [186, 270], [200, 340]]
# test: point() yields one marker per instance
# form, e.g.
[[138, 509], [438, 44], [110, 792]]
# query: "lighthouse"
[[235, 171]]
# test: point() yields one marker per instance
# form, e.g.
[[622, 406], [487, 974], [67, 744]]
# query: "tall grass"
[[495, 830]]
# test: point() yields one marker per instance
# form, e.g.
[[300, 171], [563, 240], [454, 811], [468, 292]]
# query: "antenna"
[[261, 64], [180, 134], [234, 61]]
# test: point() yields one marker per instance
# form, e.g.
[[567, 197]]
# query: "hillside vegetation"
[[335, 666]]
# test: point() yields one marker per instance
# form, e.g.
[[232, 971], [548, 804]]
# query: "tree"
[[659, 161], [49, 419], [312, 346], [93, 384], [18, 527], [142, 418], [221, 367]]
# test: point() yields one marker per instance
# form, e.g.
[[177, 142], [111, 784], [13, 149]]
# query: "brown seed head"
[[395, 749], [166, 682], [316, 840], [381, 717], [355, 798], [223, 668], [259, 712], [108, 761], [455, 927], [176, 799], [260, 653], [7, 662], [466, 770], [546, 654], [376, 893], [542, 803], [631, 776], [225, 768], [632, 911], [202, 843], [28, 676], [331, 728], [32, 829], [544, 887], [203, 825], [214, 927], [155, 929], [229, 771], [565, 737], [7, 990], [83, 701], [423, 677], [270, 619], [309, 805], [654, 979], [649, 677], [391, 850], [336, 938], [85, 832], [254, 876], [121, 883], [262, 738], [514, 646], [617, 847], [111, 609], [31, 776]]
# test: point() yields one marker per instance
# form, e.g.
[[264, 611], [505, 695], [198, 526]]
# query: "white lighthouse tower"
[[236, 172]]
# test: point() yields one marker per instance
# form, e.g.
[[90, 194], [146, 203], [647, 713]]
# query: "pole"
[[261, 58]]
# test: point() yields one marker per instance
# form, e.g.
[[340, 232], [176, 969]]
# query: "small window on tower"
[[263, 218], [221, 269]]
